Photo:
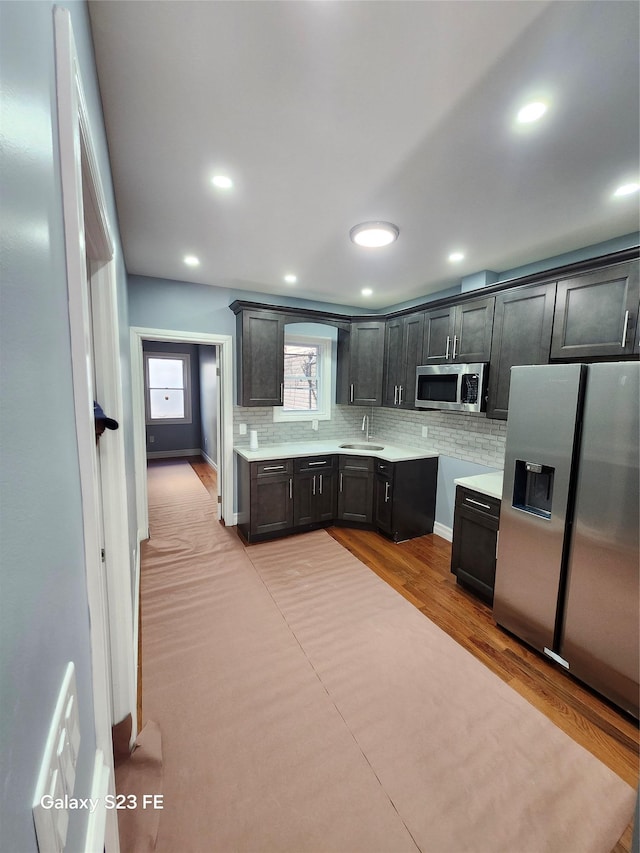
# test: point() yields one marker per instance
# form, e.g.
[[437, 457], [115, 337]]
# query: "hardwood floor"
[[420, 571]]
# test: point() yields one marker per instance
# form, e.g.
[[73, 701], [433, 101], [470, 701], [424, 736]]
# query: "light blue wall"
[[171, 437], [44, 620], [450, 469]]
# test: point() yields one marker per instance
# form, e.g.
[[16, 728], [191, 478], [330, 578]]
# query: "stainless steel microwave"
[[452, 387]]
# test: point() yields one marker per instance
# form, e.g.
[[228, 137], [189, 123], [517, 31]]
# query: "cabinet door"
[[355, 489], [383, 503], [521, 335], [412, 337], [260, 358], [438, 336], [303, 498], [326, 504], [271, 504], [472, 331], [366, 363], [393, 372], [596, 314]]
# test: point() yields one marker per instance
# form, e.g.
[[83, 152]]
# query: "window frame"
[[324, 344], [185, 358]]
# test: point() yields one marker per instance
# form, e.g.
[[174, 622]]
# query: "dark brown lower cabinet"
[[405, 497], [355, 489], [475, 539], [314, 490], [265, 493]]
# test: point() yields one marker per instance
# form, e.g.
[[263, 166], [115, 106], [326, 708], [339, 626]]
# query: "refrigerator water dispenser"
[[533, 488]]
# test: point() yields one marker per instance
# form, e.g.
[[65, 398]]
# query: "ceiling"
[[327, 114]]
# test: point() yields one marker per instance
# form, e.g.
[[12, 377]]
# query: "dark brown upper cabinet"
[[260, 346], [459, 333], [402, 354], [360, 363], [596, 314], [521, 335]]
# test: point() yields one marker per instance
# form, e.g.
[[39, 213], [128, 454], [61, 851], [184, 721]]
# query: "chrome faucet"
[[365, 426]]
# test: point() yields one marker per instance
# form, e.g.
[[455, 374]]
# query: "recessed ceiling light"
[[191, 261], [627, 189], [223, 182], [366, 291], [291, 279], [531, 112], [374, 235], [454, 257]]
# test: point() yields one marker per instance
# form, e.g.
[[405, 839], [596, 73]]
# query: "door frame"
[[224, 344], [83, 196]]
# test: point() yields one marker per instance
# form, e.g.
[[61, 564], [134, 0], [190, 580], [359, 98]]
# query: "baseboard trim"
[[97, 824], [209, 460], [170, 454], [443, 531]]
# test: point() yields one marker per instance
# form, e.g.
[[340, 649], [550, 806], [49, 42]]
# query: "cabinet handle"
[[455, 344], [386, 492], [624, 331], [446, 355], [290, 488], [476, 503], [273, 468], [341, 481], [322, 462], [351, 393], [314, 485], [282, 392], [395, 395], [400, 395], [320, 483]]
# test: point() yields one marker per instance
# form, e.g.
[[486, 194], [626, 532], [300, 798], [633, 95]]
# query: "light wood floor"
[[420, 571]]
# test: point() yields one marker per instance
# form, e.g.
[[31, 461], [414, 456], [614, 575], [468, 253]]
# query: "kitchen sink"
[[367, 446]]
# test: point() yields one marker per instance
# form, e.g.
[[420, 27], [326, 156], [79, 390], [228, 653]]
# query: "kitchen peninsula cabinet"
[[475, 539], [458, 334], [521, 335], [405, 497], [360, 363], [596, 314], [260, 345], [355, 489], [402, 354], [314, 490]]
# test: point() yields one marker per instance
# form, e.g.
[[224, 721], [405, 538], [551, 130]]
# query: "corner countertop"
[[487, 484], [389, 452]]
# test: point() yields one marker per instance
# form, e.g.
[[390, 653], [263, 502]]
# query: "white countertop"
[[488, 484], [390, 452]]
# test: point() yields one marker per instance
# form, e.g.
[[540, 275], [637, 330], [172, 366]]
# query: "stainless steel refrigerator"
[[567, 573]]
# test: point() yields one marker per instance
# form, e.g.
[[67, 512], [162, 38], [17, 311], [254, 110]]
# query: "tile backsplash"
[[470, 437]]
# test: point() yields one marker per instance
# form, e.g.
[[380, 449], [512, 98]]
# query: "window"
[[167, 384], [307, 380]]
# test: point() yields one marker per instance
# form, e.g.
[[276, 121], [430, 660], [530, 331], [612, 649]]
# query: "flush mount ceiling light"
[[223, 182], [627, 189], [532, 112], [454, 257], [290, 278], [366, 291], [374, 235], [191, 261]]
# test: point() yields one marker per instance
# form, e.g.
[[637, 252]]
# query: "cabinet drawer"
[[478, 502], [384, 468], [356, 463], [271, 467], [314, 463]]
